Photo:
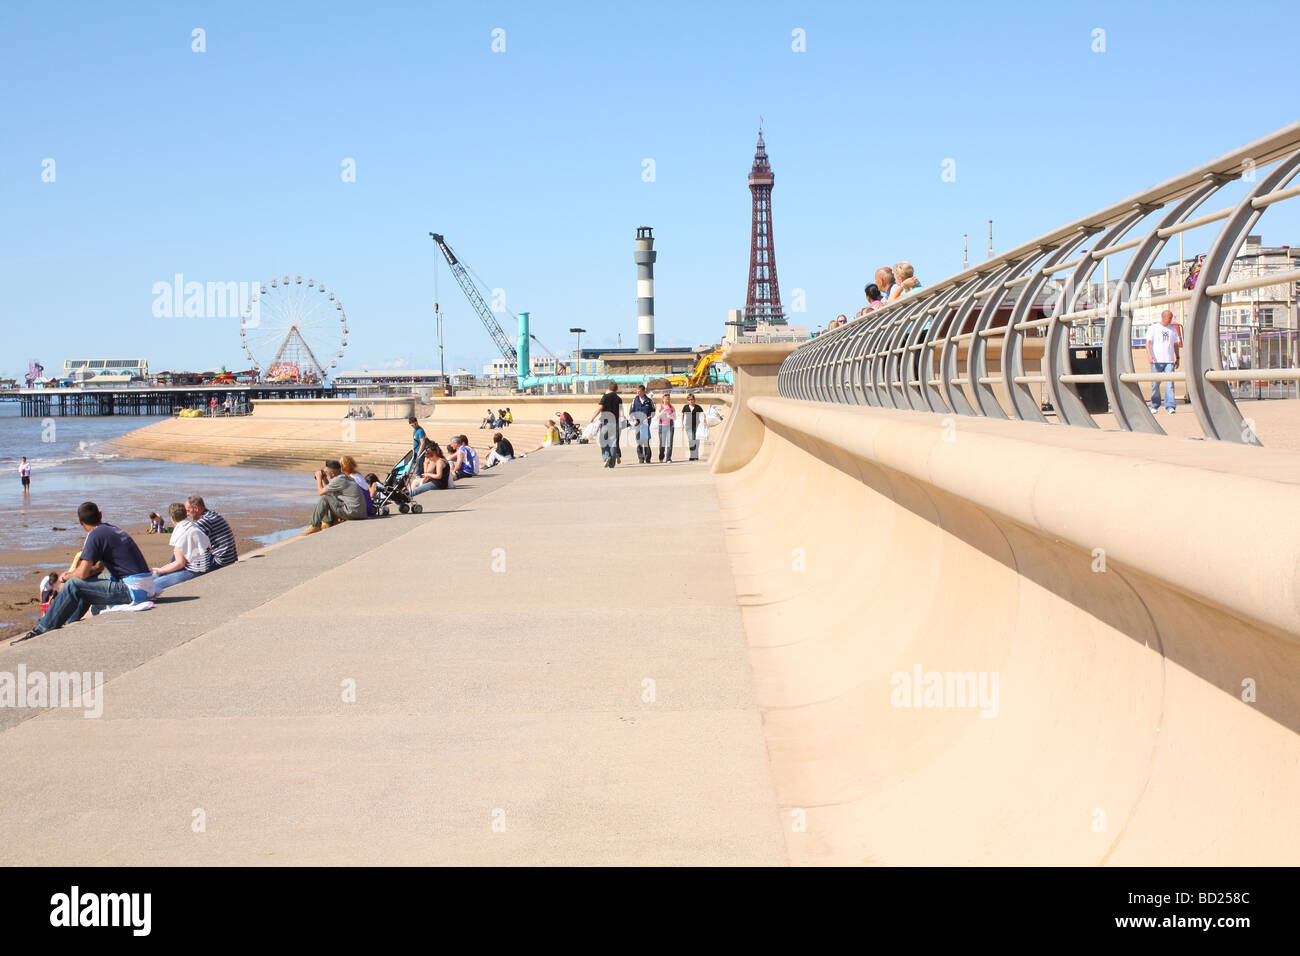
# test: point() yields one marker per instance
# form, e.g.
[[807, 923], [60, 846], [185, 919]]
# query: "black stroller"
[[392, 490]]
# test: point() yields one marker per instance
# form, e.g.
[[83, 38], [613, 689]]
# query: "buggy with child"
[[569, 432], [395, 489]]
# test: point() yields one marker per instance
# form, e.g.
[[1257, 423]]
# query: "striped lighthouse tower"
[[645, 289]]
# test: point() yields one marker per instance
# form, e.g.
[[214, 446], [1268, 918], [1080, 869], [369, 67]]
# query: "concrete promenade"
[[548, 667]]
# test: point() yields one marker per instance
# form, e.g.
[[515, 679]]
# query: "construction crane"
[[555, 359], [476, 301], [700, 377]]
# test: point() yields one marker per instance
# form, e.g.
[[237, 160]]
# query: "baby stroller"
[[392, 490], [568, 430]]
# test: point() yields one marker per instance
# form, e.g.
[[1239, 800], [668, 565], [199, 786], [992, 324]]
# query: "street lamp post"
[[577, 359], [442, 353]]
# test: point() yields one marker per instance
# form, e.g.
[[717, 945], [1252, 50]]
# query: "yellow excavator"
[[700, 376]]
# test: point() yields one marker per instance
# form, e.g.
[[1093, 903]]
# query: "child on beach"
[[49, 584], [155, 523]]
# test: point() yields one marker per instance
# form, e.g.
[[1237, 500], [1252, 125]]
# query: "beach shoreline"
[[72, 462]]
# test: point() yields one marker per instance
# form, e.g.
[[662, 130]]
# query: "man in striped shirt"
[[217, 530]]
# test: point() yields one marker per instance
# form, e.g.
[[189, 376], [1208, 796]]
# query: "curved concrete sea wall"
[[990, 642]]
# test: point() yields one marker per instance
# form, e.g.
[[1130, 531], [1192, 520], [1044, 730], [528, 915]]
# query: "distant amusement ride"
[[294, 329]]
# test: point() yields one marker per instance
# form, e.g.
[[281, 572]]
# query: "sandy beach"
[[72, 463]]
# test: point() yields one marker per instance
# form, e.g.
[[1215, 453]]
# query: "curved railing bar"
[[1064, 396], [1024, 406], [1215, 407], [871, 368], [958, 398], [916, 358], [909, 315], [875, 359], [889, 357], [1126, 400], [976, 353], [937, 333], [857, 384]]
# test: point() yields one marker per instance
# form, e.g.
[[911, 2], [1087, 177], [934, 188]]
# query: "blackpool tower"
[[763, 302]]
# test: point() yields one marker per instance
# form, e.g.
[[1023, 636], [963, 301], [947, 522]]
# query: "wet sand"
[[22, 570]]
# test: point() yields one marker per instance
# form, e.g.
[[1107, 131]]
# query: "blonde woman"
[[905, 281], [666, 418], [552, 437]]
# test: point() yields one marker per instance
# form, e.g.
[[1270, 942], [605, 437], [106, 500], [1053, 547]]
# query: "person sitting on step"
[[338, 498], [436, 472], [501, 451]]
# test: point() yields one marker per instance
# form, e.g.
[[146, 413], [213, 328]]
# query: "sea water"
[[69, 466]]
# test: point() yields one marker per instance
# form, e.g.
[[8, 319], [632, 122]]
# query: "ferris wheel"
[[294, 329]]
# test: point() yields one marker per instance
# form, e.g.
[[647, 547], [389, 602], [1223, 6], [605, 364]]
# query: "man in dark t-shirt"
[[608, 412], [107, 548]]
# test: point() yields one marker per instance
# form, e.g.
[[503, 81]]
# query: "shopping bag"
[[702, 433]]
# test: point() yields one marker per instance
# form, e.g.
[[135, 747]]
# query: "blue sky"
[[226, 165]]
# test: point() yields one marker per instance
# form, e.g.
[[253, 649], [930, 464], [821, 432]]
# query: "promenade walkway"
[[552, 670]]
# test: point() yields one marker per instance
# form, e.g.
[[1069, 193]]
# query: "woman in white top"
[[190, 548]]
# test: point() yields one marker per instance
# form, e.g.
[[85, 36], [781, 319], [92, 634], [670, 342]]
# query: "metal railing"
[[930, 349]]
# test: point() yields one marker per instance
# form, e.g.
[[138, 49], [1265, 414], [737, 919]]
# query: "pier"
[[148, 400]]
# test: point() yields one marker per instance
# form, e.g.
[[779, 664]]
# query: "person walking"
[[608, 413], [666, 419], [25, 474], [692, 417], [643, 408], [1164, 348]]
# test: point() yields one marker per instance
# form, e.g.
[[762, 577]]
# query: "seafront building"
[[1258, 328], [99, 373]]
